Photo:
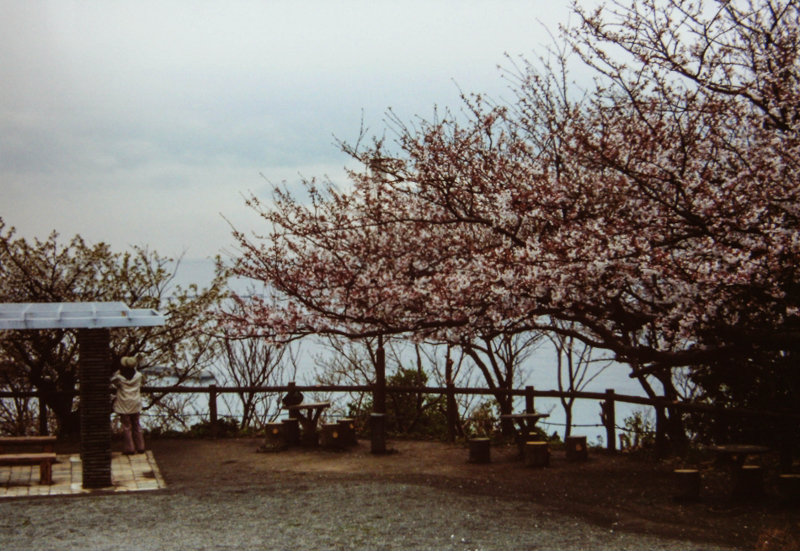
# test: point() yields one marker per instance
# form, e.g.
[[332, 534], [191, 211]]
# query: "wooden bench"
[[46, 442], [44, 460]]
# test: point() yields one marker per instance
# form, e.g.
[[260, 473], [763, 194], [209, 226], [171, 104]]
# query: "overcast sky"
[[142, 123]]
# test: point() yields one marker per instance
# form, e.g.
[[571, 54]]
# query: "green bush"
[[483, 420], [407, 413], [638, 433], [225, 428]]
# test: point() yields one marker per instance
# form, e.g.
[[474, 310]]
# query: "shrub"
[[639, 432]]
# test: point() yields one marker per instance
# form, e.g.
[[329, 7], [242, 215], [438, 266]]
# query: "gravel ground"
[[318, 513]]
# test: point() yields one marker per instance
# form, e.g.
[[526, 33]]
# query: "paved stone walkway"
[[129, 473]]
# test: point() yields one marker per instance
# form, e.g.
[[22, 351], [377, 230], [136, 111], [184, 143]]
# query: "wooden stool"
[[479, 450], [576, 448], [330, 437], [522, 439], [748, 482], [789, 488], [537, 454], [275, 436], [687, 485], [292, 434], [347, 430]]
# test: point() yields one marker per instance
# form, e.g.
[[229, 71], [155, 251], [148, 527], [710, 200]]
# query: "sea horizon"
[[540, 372]]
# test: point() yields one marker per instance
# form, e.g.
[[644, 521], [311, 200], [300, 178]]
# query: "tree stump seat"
[[479, 450], [576, 448], [748, 482], [789, 488], [44, 460], [347, 429], [275, 437], [330, 436], [686, 485], [292, 431], [537, 454]]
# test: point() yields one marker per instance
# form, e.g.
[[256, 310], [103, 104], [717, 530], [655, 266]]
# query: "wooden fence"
[[607, 399]]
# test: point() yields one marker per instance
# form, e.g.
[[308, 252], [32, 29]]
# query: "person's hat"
[[129, 361]]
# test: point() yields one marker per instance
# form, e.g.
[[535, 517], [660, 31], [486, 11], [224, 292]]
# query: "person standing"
[[128, 403]]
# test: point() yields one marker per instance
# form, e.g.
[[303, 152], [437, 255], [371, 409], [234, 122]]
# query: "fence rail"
[[607, 399]]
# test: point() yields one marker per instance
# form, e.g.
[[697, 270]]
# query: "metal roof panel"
[[76, 315]]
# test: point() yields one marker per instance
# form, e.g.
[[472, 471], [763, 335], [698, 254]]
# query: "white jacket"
[[129, 398]]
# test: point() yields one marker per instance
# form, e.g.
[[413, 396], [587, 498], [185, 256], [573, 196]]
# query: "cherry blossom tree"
[[75, 271], [654, 215]]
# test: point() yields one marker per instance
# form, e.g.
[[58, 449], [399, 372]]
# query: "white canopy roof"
[[75, 315]]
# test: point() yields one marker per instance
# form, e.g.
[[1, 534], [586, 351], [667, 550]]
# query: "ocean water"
[[543, 375], [540, 371]]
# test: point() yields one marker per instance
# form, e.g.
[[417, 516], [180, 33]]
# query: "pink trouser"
[[132, 432]]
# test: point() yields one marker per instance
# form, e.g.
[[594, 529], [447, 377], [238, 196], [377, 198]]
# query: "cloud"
[[138, 122]]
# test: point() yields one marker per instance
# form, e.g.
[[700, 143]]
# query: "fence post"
[[212, 410], [377, 420], [379, 390], [610, 420], [42, 416], [377, 433], [452, 412], [529, 400]]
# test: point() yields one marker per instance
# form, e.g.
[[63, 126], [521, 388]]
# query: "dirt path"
[[613, 492]]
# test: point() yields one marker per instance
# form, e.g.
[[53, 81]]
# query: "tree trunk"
[[567, 418], [673, 422], [568, 421], [68, 422], [506, 408], [675, 428]]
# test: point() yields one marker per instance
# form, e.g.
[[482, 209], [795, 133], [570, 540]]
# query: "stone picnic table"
[[308, 414], [737, 454], [747, 480]]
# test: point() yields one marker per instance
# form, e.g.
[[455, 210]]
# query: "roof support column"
[[94, 363]]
